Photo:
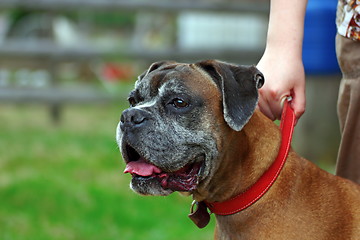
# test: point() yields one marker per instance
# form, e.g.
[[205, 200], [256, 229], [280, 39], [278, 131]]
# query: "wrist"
[[286, 45], [278, 53], [286, 27]]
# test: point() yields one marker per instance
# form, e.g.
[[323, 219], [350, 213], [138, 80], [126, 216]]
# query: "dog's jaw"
[[149, 179], [148, 186]]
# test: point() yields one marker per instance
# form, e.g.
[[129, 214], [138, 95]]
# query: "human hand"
[[284, 76], [281, 63]]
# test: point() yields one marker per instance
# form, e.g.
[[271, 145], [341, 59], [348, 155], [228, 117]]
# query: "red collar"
[[256, 191]]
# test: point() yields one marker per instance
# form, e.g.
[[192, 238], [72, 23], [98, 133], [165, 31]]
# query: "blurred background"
[[66, 67]]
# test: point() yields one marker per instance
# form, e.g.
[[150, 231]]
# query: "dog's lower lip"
[[185, 179]]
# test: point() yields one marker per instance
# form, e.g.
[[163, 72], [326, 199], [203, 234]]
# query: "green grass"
[[65, 181]]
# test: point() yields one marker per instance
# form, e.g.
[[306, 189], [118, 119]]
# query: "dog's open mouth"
[[184, 180]]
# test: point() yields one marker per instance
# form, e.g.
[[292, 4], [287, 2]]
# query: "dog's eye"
[[179, 103], [132, 101]]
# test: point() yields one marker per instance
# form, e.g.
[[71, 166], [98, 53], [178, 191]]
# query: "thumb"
[[298, 103]]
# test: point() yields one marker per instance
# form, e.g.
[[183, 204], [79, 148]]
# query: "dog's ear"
[[239, 86], [154, 66]]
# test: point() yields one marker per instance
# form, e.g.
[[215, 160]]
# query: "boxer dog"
[[195, 128]]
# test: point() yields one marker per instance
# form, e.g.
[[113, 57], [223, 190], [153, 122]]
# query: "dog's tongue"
[[141, 168]]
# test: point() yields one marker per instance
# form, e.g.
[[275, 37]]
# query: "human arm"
[[281, 62]]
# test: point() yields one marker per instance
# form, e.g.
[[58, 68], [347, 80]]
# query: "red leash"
[[256, 191]]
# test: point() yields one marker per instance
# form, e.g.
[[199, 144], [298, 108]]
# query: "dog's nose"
[[132, 118]]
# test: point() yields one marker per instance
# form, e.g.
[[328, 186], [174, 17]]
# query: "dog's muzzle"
[[133, 123]]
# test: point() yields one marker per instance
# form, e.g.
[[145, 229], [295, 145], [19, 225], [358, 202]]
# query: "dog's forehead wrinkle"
[[160, 82], [153, 83], [174, 85]]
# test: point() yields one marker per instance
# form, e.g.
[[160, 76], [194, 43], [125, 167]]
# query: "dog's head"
[[172, 135]]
